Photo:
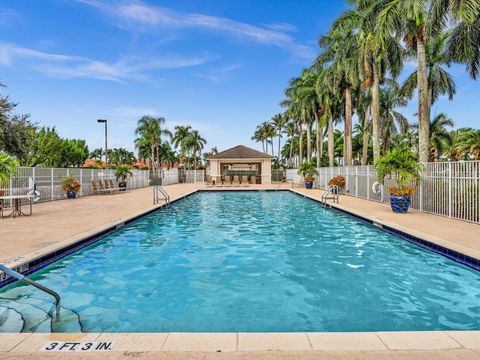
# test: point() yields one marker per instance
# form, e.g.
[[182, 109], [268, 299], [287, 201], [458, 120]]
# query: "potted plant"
[[406, 170], [122, 172], [337, 180], [71, 186], [307, 169]]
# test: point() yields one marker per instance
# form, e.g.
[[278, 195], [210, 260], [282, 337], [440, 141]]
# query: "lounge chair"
[[228, 180], [104, 187], [236, 181], [209, 181], [218, 181], [114, 187], [254, 180], [96, 188], [245, 181]]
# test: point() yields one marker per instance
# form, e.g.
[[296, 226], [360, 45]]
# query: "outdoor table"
[[17, 204]]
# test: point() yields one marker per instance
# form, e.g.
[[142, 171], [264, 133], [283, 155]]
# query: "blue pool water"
[[248, 261]]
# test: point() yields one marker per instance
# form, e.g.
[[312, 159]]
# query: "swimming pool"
[[248, 261]]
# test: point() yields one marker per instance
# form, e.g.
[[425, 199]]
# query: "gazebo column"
[[267, 171]]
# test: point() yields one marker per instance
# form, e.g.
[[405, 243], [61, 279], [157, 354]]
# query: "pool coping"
[[303, 342]]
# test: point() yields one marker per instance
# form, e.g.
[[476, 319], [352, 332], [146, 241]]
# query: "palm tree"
[[341, 49], [279, 121], [418, 21], [195, 142], [469, 144], [392, 121], [464, 41], [151, 127], [440, 137], [290, 131], [440, 82]]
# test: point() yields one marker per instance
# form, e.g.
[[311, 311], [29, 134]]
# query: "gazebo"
[[242, 160]]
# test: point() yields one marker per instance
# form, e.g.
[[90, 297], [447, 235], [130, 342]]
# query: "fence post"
[[368, 182], [81, 182], [356, 181], [449, 189], [51, 184]]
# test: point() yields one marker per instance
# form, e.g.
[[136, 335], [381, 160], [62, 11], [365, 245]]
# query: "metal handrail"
[[284, 181], [158, 189], [330, 190], [21, 277]]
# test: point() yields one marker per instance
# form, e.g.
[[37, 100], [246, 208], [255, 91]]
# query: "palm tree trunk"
[[365, 137], [153, 154], [318, 140], [331, 142], [309, 142], [279, 136], [348, 128], [290, 160], [300, 146], [271, 140], [376, 114], [423, 108]]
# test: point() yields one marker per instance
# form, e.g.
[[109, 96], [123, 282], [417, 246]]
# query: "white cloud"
[[69, 67], [137, 14], [9, 17]]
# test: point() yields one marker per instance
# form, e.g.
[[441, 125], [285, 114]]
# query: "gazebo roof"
[[240, 152]]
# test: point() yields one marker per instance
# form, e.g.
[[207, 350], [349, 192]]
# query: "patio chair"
[[245, 181], [104, 187], [218, 181], [96, 188], [209, 181], [114, 187], [236, 181], [254, 180]]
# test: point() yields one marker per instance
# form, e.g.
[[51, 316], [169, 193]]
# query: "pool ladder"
[[23, 278], [333, 190], [283, 182], [157, 191]]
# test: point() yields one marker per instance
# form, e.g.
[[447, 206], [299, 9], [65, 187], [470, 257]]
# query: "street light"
[[104, 121]]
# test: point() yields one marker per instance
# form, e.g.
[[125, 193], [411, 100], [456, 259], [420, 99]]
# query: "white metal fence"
[[449, 189], [48, 181]]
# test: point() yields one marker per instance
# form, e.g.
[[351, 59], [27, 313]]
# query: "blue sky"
[[218, 65]]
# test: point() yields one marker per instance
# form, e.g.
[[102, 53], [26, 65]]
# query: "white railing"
[[450, 189], [48, 181]]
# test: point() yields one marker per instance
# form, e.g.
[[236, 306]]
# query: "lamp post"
[[104, 121]]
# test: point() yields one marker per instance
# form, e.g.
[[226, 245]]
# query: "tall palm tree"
[[464, 41], [418, 21], [195, 142], [440, 82], [151, 127], [279, 121], [340, 47], [290, 131], [392, 121]]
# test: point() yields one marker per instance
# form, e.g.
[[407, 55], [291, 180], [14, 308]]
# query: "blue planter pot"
[[308, 184], [399, 204], [71, 194]]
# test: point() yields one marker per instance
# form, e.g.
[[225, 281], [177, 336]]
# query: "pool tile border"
[[439, 249]]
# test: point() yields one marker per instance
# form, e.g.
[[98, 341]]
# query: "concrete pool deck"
[[55, 225]]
